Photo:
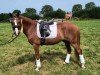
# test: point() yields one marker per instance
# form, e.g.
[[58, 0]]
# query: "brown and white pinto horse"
[[66, 32]]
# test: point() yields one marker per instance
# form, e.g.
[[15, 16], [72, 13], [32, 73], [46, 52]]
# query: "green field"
[[17, 58]]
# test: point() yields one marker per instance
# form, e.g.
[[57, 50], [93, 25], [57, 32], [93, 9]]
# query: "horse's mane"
[[26, 19]]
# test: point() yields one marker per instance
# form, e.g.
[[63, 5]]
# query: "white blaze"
[[16, 29]]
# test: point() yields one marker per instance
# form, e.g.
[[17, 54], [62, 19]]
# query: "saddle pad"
[[53, 29]]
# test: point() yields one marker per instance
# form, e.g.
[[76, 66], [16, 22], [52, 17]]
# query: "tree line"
[[91, 11], [47, 12]]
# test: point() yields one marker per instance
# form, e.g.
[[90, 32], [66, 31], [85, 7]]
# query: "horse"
[[66, 32], [68, 16]]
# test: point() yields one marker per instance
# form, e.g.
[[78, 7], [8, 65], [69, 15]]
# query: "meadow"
[[17, 57]]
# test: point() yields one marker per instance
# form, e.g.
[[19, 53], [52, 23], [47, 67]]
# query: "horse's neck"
[[28, 25], [25, 19]]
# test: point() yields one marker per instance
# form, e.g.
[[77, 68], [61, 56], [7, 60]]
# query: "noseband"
[[16, 27]]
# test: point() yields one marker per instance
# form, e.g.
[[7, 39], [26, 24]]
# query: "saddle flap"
[[48, 31]]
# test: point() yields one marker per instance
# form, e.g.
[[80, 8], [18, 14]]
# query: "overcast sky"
[[7, 6]]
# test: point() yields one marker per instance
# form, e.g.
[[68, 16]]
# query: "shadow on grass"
[[44, 56], [30, 57]]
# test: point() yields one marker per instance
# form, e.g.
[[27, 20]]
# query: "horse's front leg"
[[37, 57]]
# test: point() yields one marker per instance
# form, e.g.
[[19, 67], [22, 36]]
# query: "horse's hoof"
[[83, 66], [66, 63], [37, 69]]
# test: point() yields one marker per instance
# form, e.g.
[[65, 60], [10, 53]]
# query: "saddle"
[[45, 30]]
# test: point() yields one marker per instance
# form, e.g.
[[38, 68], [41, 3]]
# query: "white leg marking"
[[82, 60], [67, 60], [38, 64]]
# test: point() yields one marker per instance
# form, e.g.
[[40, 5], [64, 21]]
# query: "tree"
[[90, 6], [32, 16], [60, 13], [77, 8], [30, 10], [4, 17], [16, 11], [94, 13], [49, 15], [55, 14], [46, 9]]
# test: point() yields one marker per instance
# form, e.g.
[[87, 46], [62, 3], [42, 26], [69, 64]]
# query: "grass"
[[17, 58]]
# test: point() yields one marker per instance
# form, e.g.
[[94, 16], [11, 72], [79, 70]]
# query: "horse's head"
[[15, 22]]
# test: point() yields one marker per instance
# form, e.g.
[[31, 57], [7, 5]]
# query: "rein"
[[13, 38], [9, 41]]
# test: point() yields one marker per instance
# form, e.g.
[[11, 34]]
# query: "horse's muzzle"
[[16, 30]]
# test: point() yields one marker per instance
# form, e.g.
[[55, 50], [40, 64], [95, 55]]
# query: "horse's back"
[[68, 25], [68, 30]]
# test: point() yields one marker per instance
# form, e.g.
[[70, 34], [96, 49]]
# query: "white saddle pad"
[[53, 29]]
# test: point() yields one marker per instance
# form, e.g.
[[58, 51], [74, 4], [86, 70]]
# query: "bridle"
[[22, 25], [15, 27], [13, 37]]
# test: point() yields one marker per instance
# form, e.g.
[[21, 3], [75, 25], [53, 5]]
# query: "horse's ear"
[[18, 14], [10, 14]]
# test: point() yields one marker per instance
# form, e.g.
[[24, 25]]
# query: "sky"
[[7, 6]]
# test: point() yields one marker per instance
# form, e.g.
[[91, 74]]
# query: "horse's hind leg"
[[37, 56], [67, 44], [79, 52]]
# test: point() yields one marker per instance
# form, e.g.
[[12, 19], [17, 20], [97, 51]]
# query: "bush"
[[4, 17]]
